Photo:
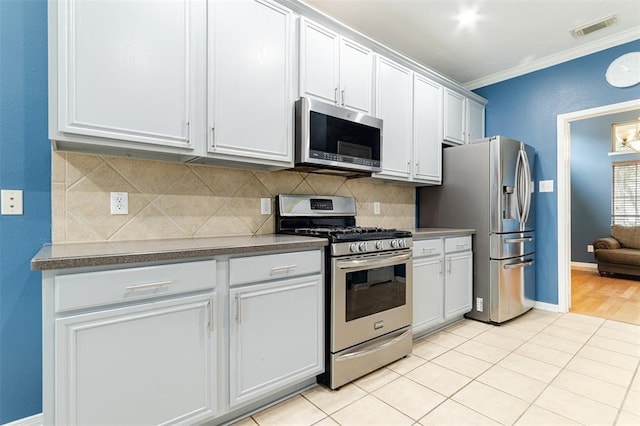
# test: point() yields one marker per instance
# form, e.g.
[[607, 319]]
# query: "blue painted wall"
[[24, 164], [591, 180], [526, 108]]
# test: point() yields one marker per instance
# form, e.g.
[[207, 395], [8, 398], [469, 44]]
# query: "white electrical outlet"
[[265, 205], [376, 207], [11, 202], [545, 186], [479, 304], [589, 248], [119, 203]]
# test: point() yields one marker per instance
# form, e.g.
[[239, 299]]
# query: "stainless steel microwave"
[[331, 138]]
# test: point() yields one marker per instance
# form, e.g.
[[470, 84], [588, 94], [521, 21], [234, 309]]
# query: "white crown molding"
[[558, 58], [35, 420]]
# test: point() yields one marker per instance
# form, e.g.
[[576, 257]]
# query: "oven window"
[[375, 290]]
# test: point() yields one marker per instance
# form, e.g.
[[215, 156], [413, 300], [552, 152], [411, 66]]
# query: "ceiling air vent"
[[593, 26]]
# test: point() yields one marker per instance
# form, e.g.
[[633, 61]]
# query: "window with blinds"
[[626, 194]]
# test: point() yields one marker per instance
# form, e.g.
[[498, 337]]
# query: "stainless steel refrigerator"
[[488, 185]]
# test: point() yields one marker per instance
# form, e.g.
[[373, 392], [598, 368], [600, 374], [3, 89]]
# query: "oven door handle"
[[375, 262]]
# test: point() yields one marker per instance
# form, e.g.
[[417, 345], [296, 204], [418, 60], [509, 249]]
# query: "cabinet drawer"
[[457, 244], [84, 290], [249, 269], [427, 247]]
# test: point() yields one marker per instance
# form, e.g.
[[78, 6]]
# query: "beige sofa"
[[619, 253]]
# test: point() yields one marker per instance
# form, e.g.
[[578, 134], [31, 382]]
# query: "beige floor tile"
[[447, 340], [427, 349], [627, 419], [544, 354], [576, 407], [567, 333], [491, 402], [527, 324], [507, 343], [590, 387], [514, 330], [409, 397], [247, 421], [557, 343], [621, 326], [293, 411], [482, 351], [327, 421], [635, 384], [618, 334], [468, 329], [450, 413], [461, 363], [539, 416], [608, 373], [530, 367], [616, 359], [377, 379], [370, 411], [516, 384], [632, 403], [587, 319], [615, 345], [331, 401], [406, 364], [569, 323], [438, 378]]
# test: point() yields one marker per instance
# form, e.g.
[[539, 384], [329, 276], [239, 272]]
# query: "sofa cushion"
[[629, 236], [625, 256]]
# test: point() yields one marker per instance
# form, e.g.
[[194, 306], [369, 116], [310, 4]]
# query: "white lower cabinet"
[[276, 336], [442, 281]]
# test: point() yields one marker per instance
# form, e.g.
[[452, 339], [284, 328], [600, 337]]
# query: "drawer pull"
[[147, 286], [283, 268], [518, 240], [461, 246], [428, 249]]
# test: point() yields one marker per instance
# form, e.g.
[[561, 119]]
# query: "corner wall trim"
[[35, 420], [546, 307]]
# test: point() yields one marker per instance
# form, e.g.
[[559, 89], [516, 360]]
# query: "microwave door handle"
[[373, 262]]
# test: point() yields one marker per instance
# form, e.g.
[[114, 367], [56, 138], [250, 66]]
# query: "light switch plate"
[[376, 207], [265, 206], [545, 186], [11, 202]]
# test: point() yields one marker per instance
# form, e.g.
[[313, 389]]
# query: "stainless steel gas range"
[[369, 284]]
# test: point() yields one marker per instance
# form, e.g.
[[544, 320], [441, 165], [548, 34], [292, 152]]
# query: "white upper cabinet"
[[454, 117], [251, 91], [475, 120], [124, 71], [335, 69], [427, 130], [393, 105]]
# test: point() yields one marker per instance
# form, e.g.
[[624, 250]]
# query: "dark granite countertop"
[[78, 255]]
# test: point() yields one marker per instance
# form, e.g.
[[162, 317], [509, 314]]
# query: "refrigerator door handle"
[[527, 170], [518, 187], [519, 265], [518, 240]]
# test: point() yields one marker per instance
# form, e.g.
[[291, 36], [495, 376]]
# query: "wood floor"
[[612, 298]]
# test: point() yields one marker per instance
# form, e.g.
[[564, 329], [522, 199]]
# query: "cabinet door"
[[475, 120], [356, 70], [427, 130], [428, 293], [458, 284], [454, 117], [250, 81], [319, 62], [125, 68], [276, 336], [147, 364], [393, 106]]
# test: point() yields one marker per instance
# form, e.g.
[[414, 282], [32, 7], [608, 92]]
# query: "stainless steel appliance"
[[488, 185], [369, 284], [336, 140]]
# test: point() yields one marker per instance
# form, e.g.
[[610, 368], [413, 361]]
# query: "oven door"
[[371, 295]]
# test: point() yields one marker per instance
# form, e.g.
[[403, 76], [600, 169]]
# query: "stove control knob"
[[363, 246], [354, 248], [402, 243], [394, 244], [379, 245]]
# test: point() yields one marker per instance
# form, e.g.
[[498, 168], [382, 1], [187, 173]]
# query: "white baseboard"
[[585, 266], [35, 420], [546, 307]]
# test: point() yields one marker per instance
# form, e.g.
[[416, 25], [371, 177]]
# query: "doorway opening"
[[564, 190]]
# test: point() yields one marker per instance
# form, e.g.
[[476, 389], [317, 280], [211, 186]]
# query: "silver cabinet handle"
[[282, 268], [335, 96], [417, 167], [518, 240], [428, 249], [440, 262], [211, 317], [461, 246], [147, 286], [238, 305], [342, 97], [449, 265]]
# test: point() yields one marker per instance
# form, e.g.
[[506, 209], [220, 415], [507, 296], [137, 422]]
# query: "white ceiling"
[[511, 37]]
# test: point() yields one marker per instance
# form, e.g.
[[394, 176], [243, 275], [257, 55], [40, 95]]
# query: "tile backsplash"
[[173, 200]]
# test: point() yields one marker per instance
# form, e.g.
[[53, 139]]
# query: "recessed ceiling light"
[[467, 17]]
